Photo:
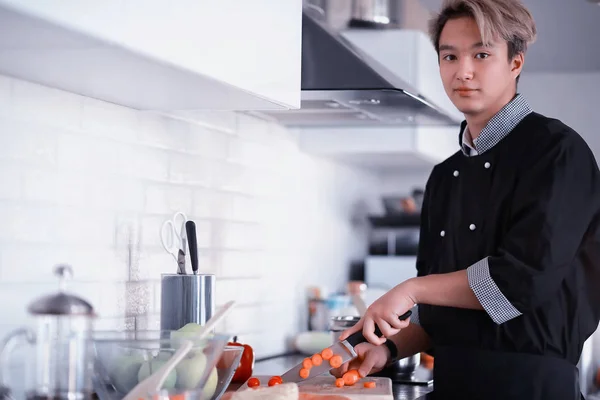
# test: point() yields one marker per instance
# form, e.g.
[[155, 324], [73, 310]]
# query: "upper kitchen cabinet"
[[155, 55]]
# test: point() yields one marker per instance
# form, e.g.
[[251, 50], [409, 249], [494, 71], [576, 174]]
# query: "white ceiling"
[[568, 35]]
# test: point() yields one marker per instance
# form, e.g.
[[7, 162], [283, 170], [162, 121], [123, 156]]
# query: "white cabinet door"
[[253, 47]]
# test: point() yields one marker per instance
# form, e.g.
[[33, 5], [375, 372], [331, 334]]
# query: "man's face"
[[476, 77]]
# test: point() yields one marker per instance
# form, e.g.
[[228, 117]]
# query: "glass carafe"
[[62, 366]]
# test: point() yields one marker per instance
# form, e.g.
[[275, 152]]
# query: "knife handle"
[[190, 228], [357, 337]]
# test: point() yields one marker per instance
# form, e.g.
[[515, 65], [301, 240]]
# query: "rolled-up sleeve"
[[493, 301], [554, 203]]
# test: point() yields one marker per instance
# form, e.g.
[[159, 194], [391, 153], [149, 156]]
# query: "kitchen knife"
[[190, 227], [344, 348]]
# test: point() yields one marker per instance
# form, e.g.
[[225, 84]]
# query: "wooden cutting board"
[[325, 385]]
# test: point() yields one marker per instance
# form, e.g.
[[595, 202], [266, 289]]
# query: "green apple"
[[211, 384], [188, 330], [124, 371], [190, 371], [150, 367]]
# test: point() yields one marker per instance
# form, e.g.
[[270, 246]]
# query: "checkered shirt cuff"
[[489, 295]]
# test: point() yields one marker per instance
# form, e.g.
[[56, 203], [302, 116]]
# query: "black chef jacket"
[[531, 206]]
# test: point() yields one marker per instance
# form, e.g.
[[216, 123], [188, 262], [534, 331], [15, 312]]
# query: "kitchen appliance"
[[340, 323], [343, 349], [185, 299], [341, 85], [408, 371], [62, 366]]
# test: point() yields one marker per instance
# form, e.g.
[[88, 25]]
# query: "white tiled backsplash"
[[89, 183]]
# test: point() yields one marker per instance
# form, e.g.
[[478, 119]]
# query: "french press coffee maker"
[[62, 345]]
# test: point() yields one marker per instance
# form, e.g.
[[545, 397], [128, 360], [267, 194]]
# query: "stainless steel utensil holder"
[[185, 299]]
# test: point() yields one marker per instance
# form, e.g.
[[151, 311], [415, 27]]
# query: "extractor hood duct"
[[342, 86]]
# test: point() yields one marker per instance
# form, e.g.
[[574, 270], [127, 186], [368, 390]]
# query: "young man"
[[508, 285]]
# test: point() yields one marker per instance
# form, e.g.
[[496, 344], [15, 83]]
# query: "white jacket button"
[[487, 165], [455, 173], [443, 233], [472, 227]]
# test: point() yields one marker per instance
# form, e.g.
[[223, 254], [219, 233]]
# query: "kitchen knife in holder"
[[185, 299]]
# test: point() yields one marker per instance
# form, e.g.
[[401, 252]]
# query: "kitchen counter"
[[278, 365]]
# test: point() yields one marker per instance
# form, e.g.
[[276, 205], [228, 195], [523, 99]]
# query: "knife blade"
[[344, 348]]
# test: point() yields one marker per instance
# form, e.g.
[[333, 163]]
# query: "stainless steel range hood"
[[342, 86]]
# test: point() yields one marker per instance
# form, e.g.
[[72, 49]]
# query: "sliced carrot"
[[317, 360], [351, 377], [304, 373], [307, 363], [339, 382], [327, 354], [336, 361], [370, 384]]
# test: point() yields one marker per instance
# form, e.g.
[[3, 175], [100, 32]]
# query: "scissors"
[[174, 239]]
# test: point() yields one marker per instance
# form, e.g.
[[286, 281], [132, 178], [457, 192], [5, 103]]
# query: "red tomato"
[[274, 381], [253, 382]]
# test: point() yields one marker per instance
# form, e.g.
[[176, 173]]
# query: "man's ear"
[[516, 65]]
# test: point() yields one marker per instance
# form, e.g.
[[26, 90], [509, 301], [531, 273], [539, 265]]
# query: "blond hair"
[[497, 19]]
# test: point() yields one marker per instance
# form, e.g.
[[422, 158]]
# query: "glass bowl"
[[123, 359]]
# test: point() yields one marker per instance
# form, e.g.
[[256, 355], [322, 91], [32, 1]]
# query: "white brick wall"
[[80, 179]]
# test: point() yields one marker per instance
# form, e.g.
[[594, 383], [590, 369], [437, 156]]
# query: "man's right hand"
[[370, 359]]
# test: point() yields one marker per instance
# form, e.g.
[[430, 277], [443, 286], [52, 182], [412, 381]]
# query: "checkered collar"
[[498, 127]]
